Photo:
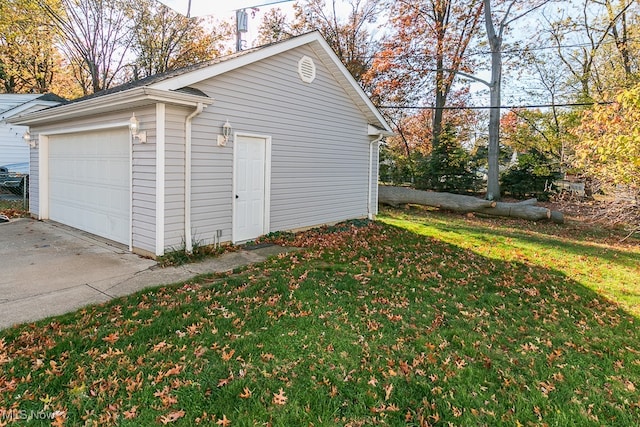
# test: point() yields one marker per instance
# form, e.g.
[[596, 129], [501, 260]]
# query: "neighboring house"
[[302, 151], [13, 148]]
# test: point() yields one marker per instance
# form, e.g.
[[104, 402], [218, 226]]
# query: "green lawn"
[[419, 319]]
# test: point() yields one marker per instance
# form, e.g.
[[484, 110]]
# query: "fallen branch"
[[637, 230]]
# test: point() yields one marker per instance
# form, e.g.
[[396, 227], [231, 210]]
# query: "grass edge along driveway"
[[419, 319]]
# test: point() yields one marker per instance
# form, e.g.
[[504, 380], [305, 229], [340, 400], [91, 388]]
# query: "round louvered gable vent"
[[307, 69]]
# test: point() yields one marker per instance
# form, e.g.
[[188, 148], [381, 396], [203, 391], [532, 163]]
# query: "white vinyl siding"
[[174, 176], [320, 147], [13, 148], [144, 183]]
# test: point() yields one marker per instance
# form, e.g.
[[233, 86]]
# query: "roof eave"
[[376, 131], [129, 98], [363, 101], [5, 115]]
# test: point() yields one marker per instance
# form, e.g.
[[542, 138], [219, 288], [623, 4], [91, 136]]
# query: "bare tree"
[[165, 39], [349, 37], [581, 39], [94, 37]]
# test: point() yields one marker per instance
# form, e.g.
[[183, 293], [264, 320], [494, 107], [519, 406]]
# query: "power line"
[[506, 107], [508, 51]]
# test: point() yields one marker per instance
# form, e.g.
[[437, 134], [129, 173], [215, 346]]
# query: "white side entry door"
[[251, 187]]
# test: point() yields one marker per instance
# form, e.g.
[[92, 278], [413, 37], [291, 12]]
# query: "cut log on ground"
[[516, 210], [396, 196], [527, 209]]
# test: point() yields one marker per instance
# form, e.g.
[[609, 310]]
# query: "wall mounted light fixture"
[[32, 142], [226, 134], [134, 127]]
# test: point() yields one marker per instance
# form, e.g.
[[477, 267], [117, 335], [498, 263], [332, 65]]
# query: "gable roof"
[[11, 100], [31, 102], [314, 40], [173, 86]]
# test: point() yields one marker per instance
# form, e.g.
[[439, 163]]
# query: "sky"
[[217, 8], [225, 10]]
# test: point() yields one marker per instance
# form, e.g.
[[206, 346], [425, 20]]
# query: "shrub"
[[449, 168], [532, 176]]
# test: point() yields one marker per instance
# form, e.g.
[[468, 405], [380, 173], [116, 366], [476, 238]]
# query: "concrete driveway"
[[48, 269]]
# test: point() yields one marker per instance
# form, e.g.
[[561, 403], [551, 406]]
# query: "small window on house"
[[306, 69]]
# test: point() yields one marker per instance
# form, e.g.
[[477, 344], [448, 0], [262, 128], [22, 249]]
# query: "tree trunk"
[[396, 196], [495, 43], [517, 210]]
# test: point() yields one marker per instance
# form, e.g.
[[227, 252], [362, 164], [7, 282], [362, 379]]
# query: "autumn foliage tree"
[[534, 129], [423, 53], [607, 144], [28, 59], [418, 62]]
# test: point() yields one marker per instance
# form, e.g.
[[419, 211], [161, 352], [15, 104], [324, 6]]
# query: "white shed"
[[301, 151]]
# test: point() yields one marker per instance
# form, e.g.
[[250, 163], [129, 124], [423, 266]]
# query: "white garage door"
[[89, 182]]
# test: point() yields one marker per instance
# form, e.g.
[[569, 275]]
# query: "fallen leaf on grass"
[[266, 357], [172, 417], [334, 391], [161, 345], [224, 422], [111, 338], [224, 381], [227, 356], [131, 413], [200, 351], [246, 393], [174, 371], [385, 408], [387, 391], [279, 398], [59, 418], [166, 398]]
